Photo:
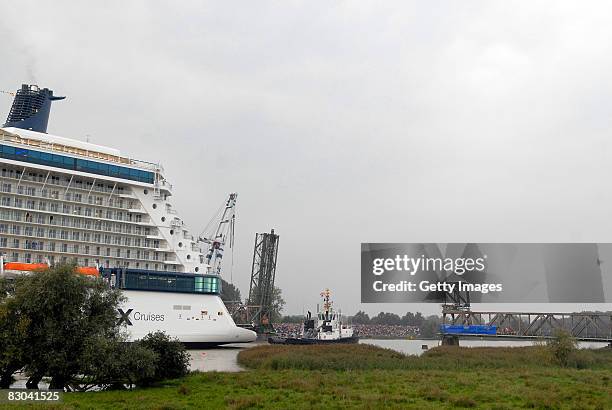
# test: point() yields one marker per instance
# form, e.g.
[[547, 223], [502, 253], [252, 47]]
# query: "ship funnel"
[[31, 108]]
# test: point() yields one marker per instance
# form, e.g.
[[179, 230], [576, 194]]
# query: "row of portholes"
[[146, 191], [163, 219], [180, 244]]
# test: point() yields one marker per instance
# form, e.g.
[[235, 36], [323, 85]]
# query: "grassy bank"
[[369, 357], [363, 376]]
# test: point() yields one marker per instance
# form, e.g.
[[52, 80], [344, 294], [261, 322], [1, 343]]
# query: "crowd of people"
[[369, 330]]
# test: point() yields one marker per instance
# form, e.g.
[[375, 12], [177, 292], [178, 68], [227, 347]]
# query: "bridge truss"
[[584, 326]]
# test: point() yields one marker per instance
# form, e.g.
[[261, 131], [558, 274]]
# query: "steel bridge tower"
[[263, 273]]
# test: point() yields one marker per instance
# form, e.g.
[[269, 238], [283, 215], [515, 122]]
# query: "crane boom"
[[223, 235]]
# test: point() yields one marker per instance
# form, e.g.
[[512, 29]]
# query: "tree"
[[361, 318], [229, 292], [430, 326], [277, 305], [292, 319], [411, 319], [12, 335], [385, 318], [65, 312]]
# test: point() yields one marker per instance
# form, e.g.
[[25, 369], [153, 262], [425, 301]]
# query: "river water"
[[225, 358]]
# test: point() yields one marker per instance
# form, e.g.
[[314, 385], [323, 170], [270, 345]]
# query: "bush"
[[563, 347], [111, 365], [172, 358]]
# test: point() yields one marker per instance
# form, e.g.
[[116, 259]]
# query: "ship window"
[[154, 206], [66, 162], [163, 219]]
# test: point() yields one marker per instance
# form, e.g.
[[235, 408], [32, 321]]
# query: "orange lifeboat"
[[26, 267], [30, 267], [87, 270]]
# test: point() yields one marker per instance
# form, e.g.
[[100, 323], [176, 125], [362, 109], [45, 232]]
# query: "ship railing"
[[51, 146], [38, 234], [61, 183], [70, 196], [162, 183], [82, 213], [68, 210], [94, 228], [70, 250]]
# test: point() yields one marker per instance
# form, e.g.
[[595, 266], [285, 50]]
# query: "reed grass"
[[365, 357]]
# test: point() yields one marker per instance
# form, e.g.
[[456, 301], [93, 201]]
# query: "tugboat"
[[328, 327]]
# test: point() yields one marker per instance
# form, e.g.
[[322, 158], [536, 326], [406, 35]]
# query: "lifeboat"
[[30, 267], [87, 270], [26, 267]]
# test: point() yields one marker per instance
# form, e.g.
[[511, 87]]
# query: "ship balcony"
[[172, 262], [144, 223], [137, 210], [85, 198], [164, 186], [126, 195]]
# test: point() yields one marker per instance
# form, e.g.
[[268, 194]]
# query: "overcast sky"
[[341, 122]]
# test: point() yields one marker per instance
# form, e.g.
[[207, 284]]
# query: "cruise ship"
[[64, 200]]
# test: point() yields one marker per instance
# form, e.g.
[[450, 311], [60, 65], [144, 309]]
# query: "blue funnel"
[[31, 108]]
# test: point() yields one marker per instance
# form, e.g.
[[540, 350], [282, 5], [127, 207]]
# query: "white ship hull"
[[196, 320]]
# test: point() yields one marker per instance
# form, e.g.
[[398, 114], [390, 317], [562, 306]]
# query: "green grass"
[[284, 377]]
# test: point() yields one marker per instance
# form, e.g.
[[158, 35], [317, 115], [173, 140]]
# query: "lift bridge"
[[258, 311], [584, 326]]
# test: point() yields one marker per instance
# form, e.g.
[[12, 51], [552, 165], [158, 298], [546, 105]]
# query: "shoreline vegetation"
[[553, 376]]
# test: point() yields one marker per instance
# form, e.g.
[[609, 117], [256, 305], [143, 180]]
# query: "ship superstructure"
[[64, 200]]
